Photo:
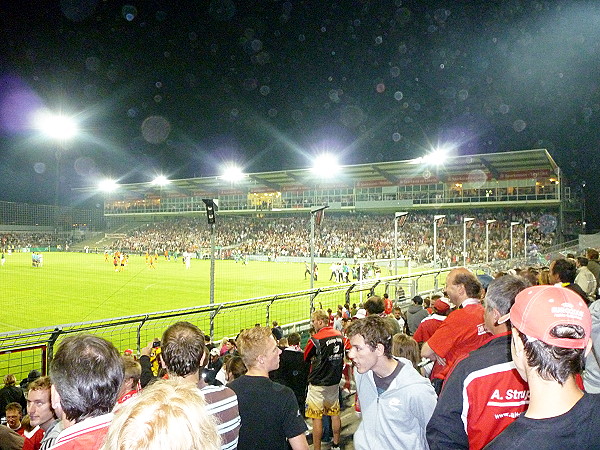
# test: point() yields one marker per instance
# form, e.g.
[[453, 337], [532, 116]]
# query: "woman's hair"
[[10, 380], [406, 347], [236, 367], [167, 415]]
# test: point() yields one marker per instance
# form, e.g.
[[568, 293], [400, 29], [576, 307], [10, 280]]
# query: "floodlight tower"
[[436, 218], [212, 206], [466, 220], [512, 224], [60, 129], [313, 214], [399, 219], [487, 239]]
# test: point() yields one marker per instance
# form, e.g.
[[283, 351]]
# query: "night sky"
[[181, 87]]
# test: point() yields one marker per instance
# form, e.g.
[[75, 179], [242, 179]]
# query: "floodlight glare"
[[326, 166], [436, 157], [233, 174], [108, 185], [56, 126], [161, 180]]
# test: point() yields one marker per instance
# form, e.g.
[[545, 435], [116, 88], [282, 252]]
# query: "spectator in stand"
[[235, 368], [388, 304], [397, 313], [415, 314], [86, 374], [11, 393], [551, 329], [42, 415], [184, 354], [169, 414], [277, 331], [585, 279], [293, 370], [429, 325], [375, 306], [33, 375], [269, 410], [593, 263], [396, 402], [131, 381], [325, 352], [14, 415], [404, 346], [591, 375], [484, 393], [463, 331], [563, 273]]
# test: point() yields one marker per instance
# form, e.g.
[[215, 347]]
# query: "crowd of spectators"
[[488, 361], [369, 236]]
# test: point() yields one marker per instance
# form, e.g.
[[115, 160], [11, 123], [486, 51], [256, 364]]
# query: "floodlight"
[[161, 180], [325, 166], [108, 185], [56, 126], [436, 157], [233, 174]]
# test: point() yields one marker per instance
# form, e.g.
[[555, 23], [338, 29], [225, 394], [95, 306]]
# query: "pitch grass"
[[79, 287]]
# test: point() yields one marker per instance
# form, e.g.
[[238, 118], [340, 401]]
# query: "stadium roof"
[[393, 172]]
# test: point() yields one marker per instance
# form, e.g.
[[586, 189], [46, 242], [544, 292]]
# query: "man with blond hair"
[[269, 410], [325, 352], [42, 415]]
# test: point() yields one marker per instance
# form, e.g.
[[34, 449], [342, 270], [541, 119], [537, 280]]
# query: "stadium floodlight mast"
[[399, 220], [325, 166], [466, 220], [161, 180], [108, 185], [525, 239], [233, 174], [512, 224], [487, 239], [435, 222], [212, 206], [313, 215], [60, 129]]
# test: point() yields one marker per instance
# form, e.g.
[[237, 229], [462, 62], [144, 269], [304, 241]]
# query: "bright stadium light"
[[108, 185], [161, 181], [436, 157], [56, 126], [233, 174], [325, 166]]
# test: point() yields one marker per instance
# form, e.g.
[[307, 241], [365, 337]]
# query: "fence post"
[[51, 341], [139, 334]]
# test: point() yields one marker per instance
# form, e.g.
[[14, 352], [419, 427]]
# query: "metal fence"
[[25, 350]]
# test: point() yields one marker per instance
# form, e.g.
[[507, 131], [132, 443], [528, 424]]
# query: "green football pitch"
[[79, 287]]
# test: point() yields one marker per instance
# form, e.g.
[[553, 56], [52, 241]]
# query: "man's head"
[[499, 298], [592, 254], [294, 339], [374, 305], [417, 300], [563, 271], [551, 332], [582, 261], [14, 414], [397, 312], [9, 380], [258, 349], [86, 375], [39, 405], [132, 373], [319, 319], [371, 341], [461, 284], [183, 349]]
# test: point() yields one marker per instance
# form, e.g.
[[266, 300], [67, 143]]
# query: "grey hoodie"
[[414, 315], [396, 418]]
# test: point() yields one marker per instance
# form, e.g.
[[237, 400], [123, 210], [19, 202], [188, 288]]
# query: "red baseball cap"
[[538, 309], [441, 305]]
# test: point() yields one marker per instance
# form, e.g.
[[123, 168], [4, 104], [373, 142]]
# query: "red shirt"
[[35, 441], [427, 327], [88, 434], [462, 332]]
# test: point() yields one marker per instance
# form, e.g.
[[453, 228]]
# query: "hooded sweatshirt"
[[396, 418], [414, 315]]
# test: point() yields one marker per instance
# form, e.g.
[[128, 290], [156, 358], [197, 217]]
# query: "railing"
[[25, 350]]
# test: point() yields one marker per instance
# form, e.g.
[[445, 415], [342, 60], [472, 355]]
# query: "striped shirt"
[[222, 403]]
